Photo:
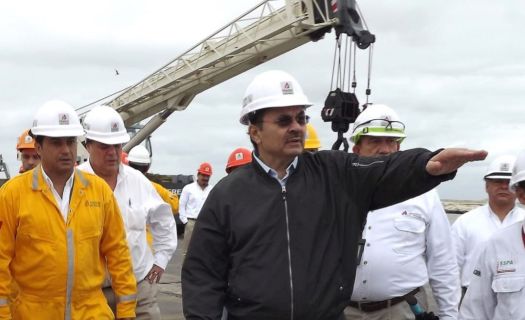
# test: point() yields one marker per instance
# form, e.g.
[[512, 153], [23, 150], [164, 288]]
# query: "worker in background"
[[27, 152], [238, 157], [413, 236], [59, 230], [472, 229], [277, 239], [497, 287], [311, 140], [139, 159], [192, 198], [139, 204]]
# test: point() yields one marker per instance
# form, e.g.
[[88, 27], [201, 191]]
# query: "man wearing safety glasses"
[[413, 236], [277, 238]]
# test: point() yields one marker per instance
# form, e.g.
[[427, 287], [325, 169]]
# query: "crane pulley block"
[[341, 108]]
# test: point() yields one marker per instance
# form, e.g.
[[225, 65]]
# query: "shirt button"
[[364, 298], [369, 227], [364, 281], [368, 244], [365, 262], [341, 288]]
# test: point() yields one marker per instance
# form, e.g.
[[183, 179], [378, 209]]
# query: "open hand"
[[449, 160]]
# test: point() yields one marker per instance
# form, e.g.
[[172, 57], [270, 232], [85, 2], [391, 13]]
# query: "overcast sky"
[[454, 73]]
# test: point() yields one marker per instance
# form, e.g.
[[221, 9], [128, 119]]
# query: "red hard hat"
[[238, 157], [205, 169]]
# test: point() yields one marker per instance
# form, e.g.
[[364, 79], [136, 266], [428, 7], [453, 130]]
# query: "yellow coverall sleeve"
[[7, 248], [115, 248], [169, 197]]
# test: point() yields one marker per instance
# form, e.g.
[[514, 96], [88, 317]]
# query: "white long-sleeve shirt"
[[139, 205], [408, 245], [497, 286], [471, 230], [191, 200]]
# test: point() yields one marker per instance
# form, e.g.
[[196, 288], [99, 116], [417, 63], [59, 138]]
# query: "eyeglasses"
[[383, 124], [286, 120]]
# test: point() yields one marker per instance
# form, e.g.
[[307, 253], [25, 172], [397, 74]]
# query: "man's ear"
[[38, 148], [355, 149], [254, 133]]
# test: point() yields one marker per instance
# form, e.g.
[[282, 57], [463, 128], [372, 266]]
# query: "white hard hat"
[[105, 125], [378, 120], [272, 89], [500, 168], [139, 154], [518, 172], [56, 119]]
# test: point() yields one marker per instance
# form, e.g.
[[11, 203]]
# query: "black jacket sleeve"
[[397, 177], [204, 271]]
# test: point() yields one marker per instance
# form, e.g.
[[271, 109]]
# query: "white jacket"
[[140, 204], [408, 245], [471, 230], [497, 287]]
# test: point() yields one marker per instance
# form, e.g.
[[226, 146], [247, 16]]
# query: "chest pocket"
[[410, 235], [136, 218], [510, 292]]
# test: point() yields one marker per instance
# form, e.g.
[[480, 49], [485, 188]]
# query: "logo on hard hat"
[[114, 127], [239, 156], [28, 139], [247, 100], [286, 87], [504, 167], [63, 119]]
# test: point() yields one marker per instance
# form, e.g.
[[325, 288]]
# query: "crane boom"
[[262, 33]]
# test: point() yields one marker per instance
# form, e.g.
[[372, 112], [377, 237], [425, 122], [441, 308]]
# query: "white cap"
[[500, 168], [56, 119], [139, 154], [272, 89], [105, 125], [518, 172]]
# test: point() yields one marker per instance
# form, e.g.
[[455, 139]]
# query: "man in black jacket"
[[277, 238]]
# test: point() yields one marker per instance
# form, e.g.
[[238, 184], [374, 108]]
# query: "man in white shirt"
[[474, 228], [407, 245], [497, 286], [192, 198], [139, 204]]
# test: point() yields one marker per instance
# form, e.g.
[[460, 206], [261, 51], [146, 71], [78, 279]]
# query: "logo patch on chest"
[[413, 215], [92, 204], [505, 266]]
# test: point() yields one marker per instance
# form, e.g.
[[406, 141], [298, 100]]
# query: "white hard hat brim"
[[138, 161], [111, 140], [54, 132], [497, 175]]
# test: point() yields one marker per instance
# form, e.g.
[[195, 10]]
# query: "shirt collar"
[[272, 173], [49, 182]]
